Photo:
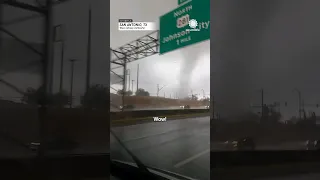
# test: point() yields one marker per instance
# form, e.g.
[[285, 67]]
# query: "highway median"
[[148, 116]]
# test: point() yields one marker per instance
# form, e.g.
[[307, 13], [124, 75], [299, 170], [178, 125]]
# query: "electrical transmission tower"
[[140, 48], [42, 8]]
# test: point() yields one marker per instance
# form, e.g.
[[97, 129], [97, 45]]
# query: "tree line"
[[139, 92], [97, 96]]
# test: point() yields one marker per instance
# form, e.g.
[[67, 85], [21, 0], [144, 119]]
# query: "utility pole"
[[124, 85], [303, 110], [88, 53], [132, 86], [159, 89], [59, 37], [129, 79], [138, 77], [61, 67], [299, 96], [262, 103], [71, 81], [203, 93], [164, 94]]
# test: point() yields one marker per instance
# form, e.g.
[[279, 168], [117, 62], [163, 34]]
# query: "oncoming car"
[[312, 145], [127, 107], [245, 144], [185, 107], [241, 144]]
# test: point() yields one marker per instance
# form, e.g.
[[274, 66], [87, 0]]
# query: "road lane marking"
[[165, 132], [191, 158], [151, 135]]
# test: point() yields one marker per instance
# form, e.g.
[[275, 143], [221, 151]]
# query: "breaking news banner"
[[129, 25]]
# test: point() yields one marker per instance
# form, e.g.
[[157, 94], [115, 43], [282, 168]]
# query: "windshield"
[[180, 146], [118, 150], [160, 97]]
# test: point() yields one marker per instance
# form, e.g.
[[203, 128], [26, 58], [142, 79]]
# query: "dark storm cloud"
[[190, 58], [265, 44], [236, 30]]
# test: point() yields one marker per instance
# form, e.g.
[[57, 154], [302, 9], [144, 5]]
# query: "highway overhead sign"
[[186, 25]]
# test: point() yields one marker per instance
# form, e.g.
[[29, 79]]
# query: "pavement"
[[311, 176], [12, 149], [181, 146], [287, 171], [220, 146]]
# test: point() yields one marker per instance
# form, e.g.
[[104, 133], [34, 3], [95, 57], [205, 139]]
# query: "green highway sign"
[[182, 1], [186, 25]]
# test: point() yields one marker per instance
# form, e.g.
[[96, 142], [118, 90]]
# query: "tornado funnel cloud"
[[189, 60]]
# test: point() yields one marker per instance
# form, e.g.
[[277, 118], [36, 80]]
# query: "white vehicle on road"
[[312, 145], [185, 107]]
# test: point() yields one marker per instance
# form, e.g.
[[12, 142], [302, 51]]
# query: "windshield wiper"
[[140, 165]]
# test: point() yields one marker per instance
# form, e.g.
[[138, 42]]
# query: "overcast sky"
[[74, 15], [163, 70], [192, 62], [270, 44]]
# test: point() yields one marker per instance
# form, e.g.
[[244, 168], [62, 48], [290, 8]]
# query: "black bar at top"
[[125, 20]]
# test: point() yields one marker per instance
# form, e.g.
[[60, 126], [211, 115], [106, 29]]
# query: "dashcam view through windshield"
[[160, 87]]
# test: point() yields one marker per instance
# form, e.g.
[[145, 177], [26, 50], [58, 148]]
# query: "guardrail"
[[154, 113]]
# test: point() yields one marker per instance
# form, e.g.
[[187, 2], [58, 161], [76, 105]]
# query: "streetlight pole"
[[129, 74], [262, 104], [61, 67], [138, 77], [71, 81], [59, 38], [299, 96], [132, 86]]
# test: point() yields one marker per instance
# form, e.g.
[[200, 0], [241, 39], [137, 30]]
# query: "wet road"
[[311, 176], [220, 146], [181, 146], [12, 149]]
